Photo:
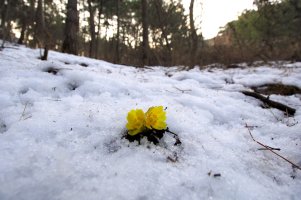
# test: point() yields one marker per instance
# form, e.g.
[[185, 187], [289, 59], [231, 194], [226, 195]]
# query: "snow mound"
[[62, 120]]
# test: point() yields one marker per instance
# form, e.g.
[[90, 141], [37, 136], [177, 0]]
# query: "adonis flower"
[[150, 125], [155, 118], [136, 120]]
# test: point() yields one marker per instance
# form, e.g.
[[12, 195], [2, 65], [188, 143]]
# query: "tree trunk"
[[2, 11], [5, 22], [117, 56], [70, 44], [41, 35], [98, 27], [40, 24], [45, 55], [145, 44], [92, 31], [23, 29], [193, 35]]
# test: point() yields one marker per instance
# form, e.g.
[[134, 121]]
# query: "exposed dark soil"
[[52, 70], [278, 88]]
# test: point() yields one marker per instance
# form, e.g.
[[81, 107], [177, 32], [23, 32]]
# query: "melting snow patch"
[[61, 127]]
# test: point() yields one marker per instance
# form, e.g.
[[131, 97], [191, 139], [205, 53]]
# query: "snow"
[[61, 134]]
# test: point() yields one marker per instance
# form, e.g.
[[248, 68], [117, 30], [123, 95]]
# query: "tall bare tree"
[[100, 10], [23, 20], [193, 35], [92, 47], [117, 56], [70, 44], [41, 36], [5, 24], [145, 44], [39, 21]]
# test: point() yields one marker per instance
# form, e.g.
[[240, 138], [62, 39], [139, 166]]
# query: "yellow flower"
[[136, 119], [155, 118]]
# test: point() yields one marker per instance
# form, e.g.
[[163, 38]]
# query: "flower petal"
[[136, 119], [155, 118]]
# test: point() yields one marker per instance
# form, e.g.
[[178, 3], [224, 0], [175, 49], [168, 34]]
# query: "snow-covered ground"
[[60, 132]]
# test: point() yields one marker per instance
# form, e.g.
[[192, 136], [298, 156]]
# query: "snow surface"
[[60, 134]]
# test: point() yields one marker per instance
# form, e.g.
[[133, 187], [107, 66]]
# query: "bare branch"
[[271, 103], [271, 149]]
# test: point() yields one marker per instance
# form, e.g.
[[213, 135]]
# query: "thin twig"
[[27, 117], [176, 137], [23, 111], [183, 91], [271, 149], [54, 99], [275, 149]]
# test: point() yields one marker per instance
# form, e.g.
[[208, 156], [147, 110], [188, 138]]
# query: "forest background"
[[152, 32]]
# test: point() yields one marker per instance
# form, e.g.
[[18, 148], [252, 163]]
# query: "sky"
[[213, 14]]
